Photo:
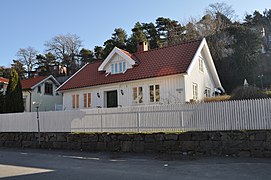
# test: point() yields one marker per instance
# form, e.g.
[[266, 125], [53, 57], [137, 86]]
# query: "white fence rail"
[[230, 115]]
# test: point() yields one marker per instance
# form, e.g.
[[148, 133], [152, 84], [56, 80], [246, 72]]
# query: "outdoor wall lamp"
[[121, 91], [179, 90], [98, 95], [37, 104]]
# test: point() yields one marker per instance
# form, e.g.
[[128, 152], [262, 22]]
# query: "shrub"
[[217, 98], [14, 97], [268, 93], [247, 92]]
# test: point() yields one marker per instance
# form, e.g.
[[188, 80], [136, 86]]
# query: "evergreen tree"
[[14, 97], [170, 31], [118, 39], [19, 67], [86, 56], [98, 52], [152, 35], [137, 36], [45, 63]]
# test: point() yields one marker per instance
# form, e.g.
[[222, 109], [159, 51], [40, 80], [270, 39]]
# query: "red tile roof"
[[127, 53], [153, 63], [4, 80], [29, 83]]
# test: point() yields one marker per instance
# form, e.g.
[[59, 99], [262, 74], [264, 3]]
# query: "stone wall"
[[232, 143]]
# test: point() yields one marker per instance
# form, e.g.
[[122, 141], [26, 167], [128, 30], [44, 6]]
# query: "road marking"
[[10, 171], [79, 157]]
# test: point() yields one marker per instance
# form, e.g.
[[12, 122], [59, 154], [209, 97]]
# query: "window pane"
[[134, 93], [85, 100], [201, 64], [89, 99], [73, 101], [120, 67], [112, 69], [39, 89], [48, 88], [151, 93], [124, 66], [116, 68], [195, 91], [207, 92], [157, 93], [77, 101], [140, 94]]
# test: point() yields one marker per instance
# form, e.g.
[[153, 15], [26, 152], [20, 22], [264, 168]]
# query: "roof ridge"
[[169, 46], [95, 61], [36, 77]]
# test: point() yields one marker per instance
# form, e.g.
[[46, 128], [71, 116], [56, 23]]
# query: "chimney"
[[142, 46]]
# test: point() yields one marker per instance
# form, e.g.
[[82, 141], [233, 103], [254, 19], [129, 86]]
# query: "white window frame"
[[207, 92], [195, 90], [112, 68], [75, 101], [48, 88], [116, 68], [136, 95], [201, 64], [119, 67], [87, 100], [39, 89], [156, 98]]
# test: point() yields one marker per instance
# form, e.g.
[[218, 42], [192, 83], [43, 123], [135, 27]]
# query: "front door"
[[112, 98]]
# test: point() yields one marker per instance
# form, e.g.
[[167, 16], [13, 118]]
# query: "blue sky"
[[26, 23]]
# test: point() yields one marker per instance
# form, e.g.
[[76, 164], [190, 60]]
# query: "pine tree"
[[138, 35], [14, 97]]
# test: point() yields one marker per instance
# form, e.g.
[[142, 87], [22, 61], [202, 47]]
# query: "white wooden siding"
[[47, 102], [203, 79], [168, 92]]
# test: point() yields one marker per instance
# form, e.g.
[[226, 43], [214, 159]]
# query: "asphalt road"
[[46, 164]]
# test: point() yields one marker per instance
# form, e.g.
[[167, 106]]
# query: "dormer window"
[[117, 68], [118, 61]]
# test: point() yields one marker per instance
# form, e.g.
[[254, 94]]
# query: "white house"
[[41, 90], [174, 74]]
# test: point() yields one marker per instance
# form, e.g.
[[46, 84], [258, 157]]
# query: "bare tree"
[[66, 49], [221, 8], [27, 56], [218, 16]]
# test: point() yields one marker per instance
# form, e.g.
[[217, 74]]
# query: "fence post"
[[101, 122], [181, 120], [138, 120], [83, 123]]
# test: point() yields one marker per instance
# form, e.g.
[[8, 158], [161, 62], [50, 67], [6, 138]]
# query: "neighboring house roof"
[[153, 63], [33, 82], [4, 80]]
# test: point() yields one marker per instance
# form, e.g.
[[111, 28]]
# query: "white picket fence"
[[230, 115]]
